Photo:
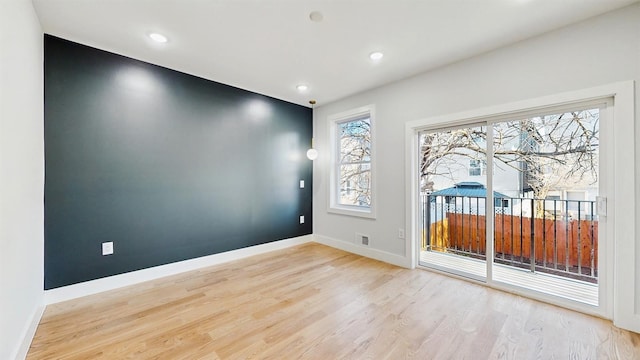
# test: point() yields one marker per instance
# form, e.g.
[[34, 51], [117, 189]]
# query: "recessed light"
[[316, 16], [376, 55], [158, 37], [302, 87]]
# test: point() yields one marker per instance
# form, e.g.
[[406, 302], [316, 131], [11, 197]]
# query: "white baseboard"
[[29, 332], [117, 281], [131, 278], [376, 254]]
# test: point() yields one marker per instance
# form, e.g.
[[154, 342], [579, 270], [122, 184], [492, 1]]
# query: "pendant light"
[[312, 153]]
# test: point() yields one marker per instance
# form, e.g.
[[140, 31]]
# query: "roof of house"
[[468, 189]]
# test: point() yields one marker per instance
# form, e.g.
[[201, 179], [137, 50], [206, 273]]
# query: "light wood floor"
[[315, 302]]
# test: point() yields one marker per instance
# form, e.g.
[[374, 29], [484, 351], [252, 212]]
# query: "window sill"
[[352, 211]]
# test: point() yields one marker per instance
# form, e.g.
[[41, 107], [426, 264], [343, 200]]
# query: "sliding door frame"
[[487, 204], [618, 299]]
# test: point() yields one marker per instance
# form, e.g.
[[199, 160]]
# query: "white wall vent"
[[362, 239]]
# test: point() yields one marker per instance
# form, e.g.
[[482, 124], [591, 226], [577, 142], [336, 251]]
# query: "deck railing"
[[561, 237]]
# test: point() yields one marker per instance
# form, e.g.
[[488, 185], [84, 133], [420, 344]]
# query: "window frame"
[[334, 184], [482, 167]]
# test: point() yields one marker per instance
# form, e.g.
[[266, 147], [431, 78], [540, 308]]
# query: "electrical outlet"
[[301, 219], [400, 233], [301, 184], [107, 248]]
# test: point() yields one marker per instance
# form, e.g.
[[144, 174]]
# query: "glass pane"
[[355, 185], [547, 169], [355, 141], [453, 200]]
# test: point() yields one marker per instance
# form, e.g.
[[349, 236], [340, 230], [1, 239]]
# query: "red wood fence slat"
[[512, 236]]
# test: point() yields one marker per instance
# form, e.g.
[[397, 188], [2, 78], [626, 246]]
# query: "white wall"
[[21, 175], [599, 51]]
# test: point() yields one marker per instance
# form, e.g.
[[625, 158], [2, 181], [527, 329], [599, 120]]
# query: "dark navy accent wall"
[[166, 165]]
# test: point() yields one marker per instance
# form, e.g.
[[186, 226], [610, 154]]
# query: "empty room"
[[316, 179]]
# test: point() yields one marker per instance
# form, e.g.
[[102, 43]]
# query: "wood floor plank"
[[316, 302]]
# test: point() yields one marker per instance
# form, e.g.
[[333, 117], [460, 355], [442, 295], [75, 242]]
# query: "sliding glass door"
[[453, 179], [546, 223], [522, 188]]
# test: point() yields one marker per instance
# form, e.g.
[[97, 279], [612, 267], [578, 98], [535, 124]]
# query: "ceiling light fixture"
[[158, 37], [376, 55], [316, 16], [312, 153], [302, 87]]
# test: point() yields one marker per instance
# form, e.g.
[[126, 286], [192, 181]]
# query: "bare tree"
[[443, 151], [549, 151], [355, 162]]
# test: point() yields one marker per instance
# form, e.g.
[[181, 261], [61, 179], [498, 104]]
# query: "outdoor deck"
[[575, 290]]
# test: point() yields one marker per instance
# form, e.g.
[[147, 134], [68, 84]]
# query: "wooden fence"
[[557, 242]]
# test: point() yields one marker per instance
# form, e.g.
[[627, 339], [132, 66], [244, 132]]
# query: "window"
[[500, 202], [352, 191], [477, 167], [354, 162]]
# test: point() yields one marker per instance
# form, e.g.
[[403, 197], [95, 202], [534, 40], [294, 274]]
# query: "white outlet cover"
[[301, 184], [301, 219], [107, 248]]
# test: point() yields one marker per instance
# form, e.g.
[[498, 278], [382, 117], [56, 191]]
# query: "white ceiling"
[[270, 46]]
